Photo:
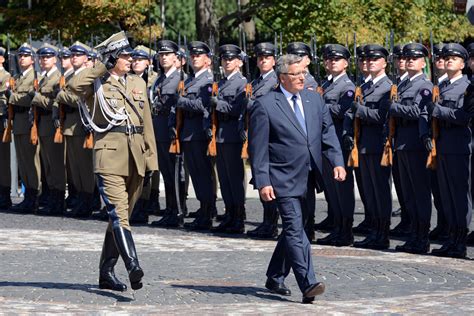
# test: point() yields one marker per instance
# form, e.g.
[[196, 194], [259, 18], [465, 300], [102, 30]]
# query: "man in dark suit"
[[288, 129]]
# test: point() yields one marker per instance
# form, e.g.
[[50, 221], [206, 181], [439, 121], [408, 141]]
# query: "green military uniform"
[[51, 153], [5, 174], [124, 152], [27, 153]]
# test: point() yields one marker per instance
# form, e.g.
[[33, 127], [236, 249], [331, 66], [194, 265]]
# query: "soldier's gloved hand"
[[181, 101], [428, 143], [214, 102], [147, 178], [354, 106], [348, 142], [32, 94], [430, 106], [172, 133], [109, 61], [208, 133]]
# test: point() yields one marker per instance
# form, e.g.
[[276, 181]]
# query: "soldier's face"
[[306, 61], [401, 64], [25, 61], [78, 60], [123, 65], [337, 65], [230, 65], [453, 64], [47, 62], [293, 80], [363, 65], [139, 65], [66, 62], [415, 64], [167, 60], [439, 63], [265, 63], [376, 65], [471, 63], [199, 61]]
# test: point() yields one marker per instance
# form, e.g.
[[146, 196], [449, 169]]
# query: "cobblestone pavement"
[[50, 265]]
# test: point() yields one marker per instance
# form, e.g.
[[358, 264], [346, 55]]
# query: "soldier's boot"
[[85, 208], [330, 239], [227, 221], [153, 204], [346, 237], [72, 197], [170, 218], [238, 225], [458, 250], [382, 241], [223, 217], [309, 228], [194, 214], [5, 198], [29, 204], [139, 215], [48, 210], [162, 222], [447, 245], [264, 224], [43, 199], [326, 225], [270, 230], [108, 259], [403, 229], [182, 199], [204, 220], [411, 241], [422, 243], [440, 232], [372, 235], [364, 228], [470, 239], [126, 248], [60, 206]]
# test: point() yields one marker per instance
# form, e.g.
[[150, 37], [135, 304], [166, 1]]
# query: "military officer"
[[338, 96], [80, 158], [27, 153], [141, 57], [303, 50], [164, 96], [230, 167], [453, 148], [124, 150], [410, 147], [5, 175], [196, 132], [266, 82], [375, 178]]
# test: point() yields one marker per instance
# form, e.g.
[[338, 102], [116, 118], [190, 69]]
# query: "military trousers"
[[200, 169], [5, 174], [167, 163], [53, 157], [28, 156], [230, 170], [81, 169]]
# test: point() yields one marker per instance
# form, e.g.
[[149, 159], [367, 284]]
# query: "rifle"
[[212, 147], [34, 128], [431, 161], [58, 135], [316, 63], [248, 95], [175, 147], [186, 54], [353, 160], [7, 133], [387, 155], [281, 45]]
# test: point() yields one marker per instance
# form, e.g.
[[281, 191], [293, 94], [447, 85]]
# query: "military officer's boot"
[[227, 220], [345, 237], [372, 236], [309, 228], [154, 204], [60, 206], [403, 229], [84, 207], [365, 227], [330, 239], [29, 204], [108, 259], [270, 230], [237, 226], [204, 220], [5, 199], [47, 210], [412, 238], [72, 197], [223, 217], [255, 232], [382, 241], [139, 214], [447, 245], [171, 218], [459, 249], [470, 239], [422, 243], [327, 224], [126, 247]]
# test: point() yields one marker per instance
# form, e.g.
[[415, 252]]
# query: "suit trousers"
[[377, 186], [5, 173], [120, 193], [52, 155], [199, 166], [28, 161], [230, 170], [455, 188], [293, 250], [80, 160]]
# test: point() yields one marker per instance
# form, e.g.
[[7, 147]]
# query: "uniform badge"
[[350, 93], [425, 92], [209, 89]]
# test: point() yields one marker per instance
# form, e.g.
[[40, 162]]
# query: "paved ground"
[[50, 265]]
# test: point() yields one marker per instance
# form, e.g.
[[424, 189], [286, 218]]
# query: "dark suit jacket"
[[280, 152]]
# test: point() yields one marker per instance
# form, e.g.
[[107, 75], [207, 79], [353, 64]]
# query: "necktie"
[[123, 82], [299, 115]]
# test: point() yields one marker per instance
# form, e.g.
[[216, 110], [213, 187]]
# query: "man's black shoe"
[[277, 288], [314, 290]]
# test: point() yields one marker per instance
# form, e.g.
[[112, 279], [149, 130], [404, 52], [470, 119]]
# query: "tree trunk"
[[205, 21], [249, 26]]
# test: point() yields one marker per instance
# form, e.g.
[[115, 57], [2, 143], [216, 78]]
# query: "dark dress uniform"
[[411, 131], [375, 178], [228, 105], [338, 96], [195, 135], [164, 93], [5, 174], [453, 157]]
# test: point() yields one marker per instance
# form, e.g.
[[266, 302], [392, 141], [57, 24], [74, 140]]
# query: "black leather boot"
[[60, 206], [48, 209], [139, 214], [171, 218], [422, 243], [271, 230], [29, 205], [237, 225], [364, 228], [403, 229], [84, 208], [447, 245], [371, 237], [204, 220], [440, 232], [5, 198], [126, 248], [44, 196], [458, 250], [411, 241], [108, 259], [266, 229], [153, 205], [72, 197], [346, 237], [226, 220], [382, 241], [326, 225], [330, 239]]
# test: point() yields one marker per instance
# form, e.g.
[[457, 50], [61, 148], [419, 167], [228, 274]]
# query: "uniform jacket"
[[454, 133], [229, 107], [114, 151], [165, 98], [4, 78], [310, 83], [411, 120], [196, 107], [281, 154], [21, 101], [44, 100]]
